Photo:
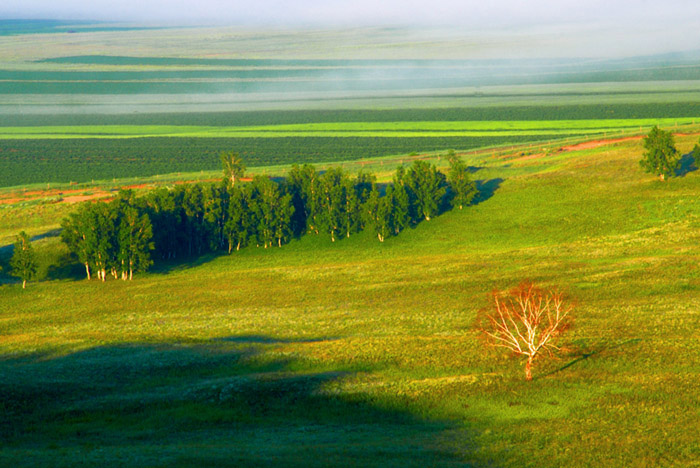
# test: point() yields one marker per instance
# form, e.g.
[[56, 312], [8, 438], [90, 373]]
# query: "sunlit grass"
[[365, 353], [348, 129]]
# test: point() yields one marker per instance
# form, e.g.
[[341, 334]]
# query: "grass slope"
[[362, 354]]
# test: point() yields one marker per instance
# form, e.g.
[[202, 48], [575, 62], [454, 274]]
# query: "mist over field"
[[507, 28]]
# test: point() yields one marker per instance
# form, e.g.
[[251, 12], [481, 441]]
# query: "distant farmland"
[[79, 153]]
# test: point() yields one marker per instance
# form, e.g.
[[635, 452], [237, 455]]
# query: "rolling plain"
[[353, 353]]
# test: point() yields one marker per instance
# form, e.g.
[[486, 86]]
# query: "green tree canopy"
[[661, 156], [463, 189], [23, 261], [427, 187], [233, 167]]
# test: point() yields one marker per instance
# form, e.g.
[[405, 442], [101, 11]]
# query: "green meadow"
[[358, 353]]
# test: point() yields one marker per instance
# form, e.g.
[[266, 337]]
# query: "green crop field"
[[350, 129], [79, 153], [364, 354]]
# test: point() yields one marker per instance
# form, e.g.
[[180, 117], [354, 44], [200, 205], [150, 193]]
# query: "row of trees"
[[113, 237], [123, 236]]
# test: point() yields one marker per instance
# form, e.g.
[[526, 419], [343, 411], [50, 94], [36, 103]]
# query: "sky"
[[348, 12]]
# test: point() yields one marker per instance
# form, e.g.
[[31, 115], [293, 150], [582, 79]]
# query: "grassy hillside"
[[363, 354]]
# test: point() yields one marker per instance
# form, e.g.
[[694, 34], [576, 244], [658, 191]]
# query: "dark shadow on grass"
[[260, 339], [67, 269], [583, 355], [215, 403], [8, 250], [686, 165], [486, 189], [184, 263]]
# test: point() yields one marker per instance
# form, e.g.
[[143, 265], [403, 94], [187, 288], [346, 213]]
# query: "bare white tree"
[[527, 321]]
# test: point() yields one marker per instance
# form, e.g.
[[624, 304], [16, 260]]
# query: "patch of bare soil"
[[597, 143]]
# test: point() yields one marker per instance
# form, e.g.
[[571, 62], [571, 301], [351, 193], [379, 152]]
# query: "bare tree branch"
[[526, 320]]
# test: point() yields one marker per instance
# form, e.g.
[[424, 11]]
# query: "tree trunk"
[[230, 247], [24, 284], [528, 368], [87, 270], [238, 246], [279, 242]]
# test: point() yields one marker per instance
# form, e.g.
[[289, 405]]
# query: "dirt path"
[[597, 143]]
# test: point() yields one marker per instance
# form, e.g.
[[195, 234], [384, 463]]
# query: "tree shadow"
[[220, 402], [582, 355], [6, 251], [260, 339], [163, 267], [686, 165], [66, 268], [486, 189]]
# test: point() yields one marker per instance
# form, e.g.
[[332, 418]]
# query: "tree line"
[[127, 234]]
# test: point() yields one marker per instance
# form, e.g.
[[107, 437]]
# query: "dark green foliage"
[[308, 183], [370, 209], [238, 226], [113, 237], [297, 185], [462, 188], [334, 185], [661, 156], [402, 201], [23, 262], [134, 241], [190, 220], [426, 187], [270, 211]]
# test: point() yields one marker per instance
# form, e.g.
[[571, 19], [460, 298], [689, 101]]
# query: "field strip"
[[431, 129], [371, 134]]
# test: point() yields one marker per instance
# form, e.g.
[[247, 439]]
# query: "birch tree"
[[23, 262], [526, 321], [463, 189], [135, 244], [427, 187], [233, 167]]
